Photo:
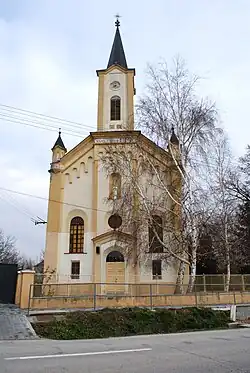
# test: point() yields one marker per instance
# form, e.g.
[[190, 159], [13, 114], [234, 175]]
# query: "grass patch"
[[131, 321]]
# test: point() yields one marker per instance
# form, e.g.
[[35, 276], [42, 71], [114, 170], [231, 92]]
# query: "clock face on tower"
[[115, 85]]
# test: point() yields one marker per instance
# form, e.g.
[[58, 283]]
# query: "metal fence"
[[217, 283], [89, 295], [202, 283]]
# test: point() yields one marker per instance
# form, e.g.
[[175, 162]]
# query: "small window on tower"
[[115, 108], [75, 270]]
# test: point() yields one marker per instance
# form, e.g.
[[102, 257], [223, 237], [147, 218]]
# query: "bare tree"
[[239, 189], [8, 252], [25, 263], [184, 126], [223, 218], [152, 199], [170, 101], [239, 184]]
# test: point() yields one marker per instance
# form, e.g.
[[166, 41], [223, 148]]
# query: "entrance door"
[[115, 272], [8, 280]]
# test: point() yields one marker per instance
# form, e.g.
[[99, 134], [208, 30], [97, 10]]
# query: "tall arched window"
[[115, 108], [154, 245], [115, 186], [76, 242]]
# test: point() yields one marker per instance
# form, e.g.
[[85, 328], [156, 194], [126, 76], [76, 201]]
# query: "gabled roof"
[[123, 137], [112, 235], [117, 55]]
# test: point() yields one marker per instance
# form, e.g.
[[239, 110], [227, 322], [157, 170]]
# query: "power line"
[[53, 127], [39, 127], [46, 123], [38, 122], [14, 203], [41, 121], [45, 116], [16, 208], [50, 200]]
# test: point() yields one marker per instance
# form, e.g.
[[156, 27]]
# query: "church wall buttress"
[[130, 100], [100, 103], [53, 222]]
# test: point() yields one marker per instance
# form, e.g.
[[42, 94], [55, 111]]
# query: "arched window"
[[115, 256], [76, 242], [115, 185], [115, 108], [154, 244]]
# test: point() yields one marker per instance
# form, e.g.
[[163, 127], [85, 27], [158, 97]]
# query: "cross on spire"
[[117, 23], [117, 55]]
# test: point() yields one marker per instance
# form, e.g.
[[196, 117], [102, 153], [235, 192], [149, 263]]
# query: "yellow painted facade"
[[80, 190]]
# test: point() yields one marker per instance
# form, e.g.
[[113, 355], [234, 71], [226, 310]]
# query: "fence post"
[[243, 283], [224, 282], [204, 284], [94, 296], [151, 296], [235, 298], [30, 290]]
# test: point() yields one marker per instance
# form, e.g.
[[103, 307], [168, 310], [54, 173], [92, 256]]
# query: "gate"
[[8, 280]]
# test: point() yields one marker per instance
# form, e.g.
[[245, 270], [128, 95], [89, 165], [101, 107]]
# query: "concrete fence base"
[[95, 302], [25, 280]]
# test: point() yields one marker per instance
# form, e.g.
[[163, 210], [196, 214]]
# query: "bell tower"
[[116, 90], [58, 151]]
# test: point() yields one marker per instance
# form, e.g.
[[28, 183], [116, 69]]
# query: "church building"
[[80, 237]]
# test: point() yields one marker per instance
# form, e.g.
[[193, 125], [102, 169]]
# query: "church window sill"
[[75, 253]]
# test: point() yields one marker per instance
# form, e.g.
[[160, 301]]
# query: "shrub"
[[131, 321]]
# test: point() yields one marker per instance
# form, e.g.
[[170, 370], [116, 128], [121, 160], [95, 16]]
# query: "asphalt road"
[[214, 351]]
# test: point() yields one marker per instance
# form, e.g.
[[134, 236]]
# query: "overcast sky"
[[49, 52]]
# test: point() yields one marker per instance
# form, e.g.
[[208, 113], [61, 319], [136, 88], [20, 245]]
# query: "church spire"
[[174, 139], [59, 142], [58, 151], [116, 90], [117, 55]]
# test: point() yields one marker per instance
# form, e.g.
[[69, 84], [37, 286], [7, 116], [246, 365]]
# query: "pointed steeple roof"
[[59, 142], [174, 139], [117, 55]]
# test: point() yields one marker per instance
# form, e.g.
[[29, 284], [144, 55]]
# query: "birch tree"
[[170, 101], [169, 108], [152, 187], [225, 205], [239, 188]]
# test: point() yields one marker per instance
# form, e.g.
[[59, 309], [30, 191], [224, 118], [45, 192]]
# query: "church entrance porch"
[[115, 273]]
